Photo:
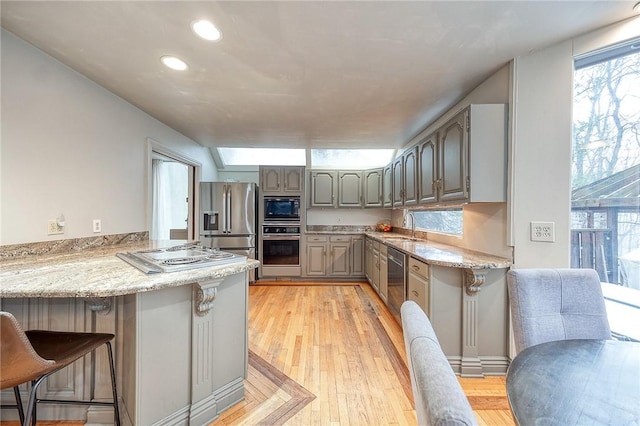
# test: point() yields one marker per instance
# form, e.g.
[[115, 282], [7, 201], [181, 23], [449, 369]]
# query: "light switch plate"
[[543, 231]]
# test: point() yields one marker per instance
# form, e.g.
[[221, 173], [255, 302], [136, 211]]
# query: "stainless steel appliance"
[[396, 291], [281, 209], [281, 245], [178, 258], [228, 219]]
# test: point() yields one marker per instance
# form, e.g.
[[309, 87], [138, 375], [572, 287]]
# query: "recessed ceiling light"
[[206, 30], [174, 63]]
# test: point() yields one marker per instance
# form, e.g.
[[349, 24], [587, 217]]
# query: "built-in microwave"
[[278, 209]]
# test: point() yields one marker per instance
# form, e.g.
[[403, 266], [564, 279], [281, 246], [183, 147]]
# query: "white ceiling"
[[301, 73]]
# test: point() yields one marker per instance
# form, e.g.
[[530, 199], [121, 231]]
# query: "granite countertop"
[[97, 273], [440, 254]]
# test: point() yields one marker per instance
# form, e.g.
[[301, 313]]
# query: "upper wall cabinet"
[[323, 188], [397, 180], [333, 188], [372, 180], [410, 177], [350, 189], [465, 160], [387, 186], [287, 180], [428, 169]]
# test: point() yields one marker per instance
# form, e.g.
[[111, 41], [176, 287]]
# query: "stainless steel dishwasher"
[[396, 280]]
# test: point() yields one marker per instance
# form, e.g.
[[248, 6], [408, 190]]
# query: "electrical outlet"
[[543, 231], [97, 225], [53, 228]]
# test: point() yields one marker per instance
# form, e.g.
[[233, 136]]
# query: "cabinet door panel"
[[316, 260], [387, 186], [357, 256], [428, 167], [270, 179], [373, 188], [292, 177], [453, 159], [322, 189], [350, 189], [398, 184], [409, 166], [340, 261]]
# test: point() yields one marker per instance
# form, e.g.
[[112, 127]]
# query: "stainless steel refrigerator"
[[228, 218]]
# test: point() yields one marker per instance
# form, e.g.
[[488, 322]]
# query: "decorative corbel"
[[205, 294], [474, 278]]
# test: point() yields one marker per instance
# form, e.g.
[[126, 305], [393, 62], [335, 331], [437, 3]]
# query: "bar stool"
[[32, 356]]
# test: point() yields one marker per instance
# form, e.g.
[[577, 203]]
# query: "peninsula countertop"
[[98, 273], [440, 254]]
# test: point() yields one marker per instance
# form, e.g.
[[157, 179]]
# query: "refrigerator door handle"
[[228, 213]]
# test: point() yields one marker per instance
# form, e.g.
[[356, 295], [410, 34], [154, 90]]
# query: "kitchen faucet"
[[413, 223]]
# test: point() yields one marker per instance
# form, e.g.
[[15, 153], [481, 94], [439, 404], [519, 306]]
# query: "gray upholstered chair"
[[556, 304], [437, 394]]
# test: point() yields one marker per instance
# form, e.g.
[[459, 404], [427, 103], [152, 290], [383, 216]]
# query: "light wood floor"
[[343, 349], [332, 354]]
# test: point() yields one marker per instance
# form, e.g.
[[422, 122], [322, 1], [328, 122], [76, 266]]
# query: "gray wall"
[[70, 146]]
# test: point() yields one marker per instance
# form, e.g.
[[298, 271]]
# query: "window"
[[605, 203], [445, 221], [350, 159], [262, 156]]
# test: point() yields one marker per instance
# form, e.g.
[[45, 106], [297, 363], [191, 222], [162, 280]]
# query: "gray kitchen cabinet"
[[387, 186], [281, 180], [323, 188], [428, 168], [383, 282], [349, 189], [316, 256], [336, 188], [335, 255], [339, 256], [375, 272], [453, 173], [397, 180], [465, 159], [410, 177], [372, 180], [418, 284], [357, 255], [376, 266]]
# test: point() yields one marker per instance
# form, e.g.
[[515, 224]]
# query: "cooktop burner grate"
[[181, 261]]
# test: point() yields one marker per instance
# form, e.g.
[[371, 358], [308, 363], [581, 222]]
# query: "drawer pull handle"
[[415, 267], [415, 293]]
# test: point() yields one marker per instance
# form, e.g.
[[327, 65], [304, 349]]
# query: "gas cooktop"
[[179, 258]]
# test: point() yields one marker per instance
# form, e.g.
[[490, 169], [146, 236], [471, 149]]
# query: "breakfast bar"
[[170, 328]]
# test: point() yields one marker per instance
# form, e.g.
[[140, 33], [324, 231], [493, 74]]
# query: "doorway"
[[172, 195]]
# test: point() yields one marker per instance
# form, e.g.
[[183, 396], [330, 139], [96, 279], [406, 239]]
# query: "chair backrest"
[[19, 362], [437, 394], [556, 304]]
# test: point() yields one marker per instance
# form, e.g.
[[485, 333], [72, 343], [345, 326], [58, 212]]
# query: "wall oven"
[[281, 245], [281, 209]]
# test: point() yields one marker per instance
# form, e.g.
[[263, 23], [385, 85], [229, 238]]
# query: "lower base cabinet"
[[334, 256], [418, 284], [467, 307]]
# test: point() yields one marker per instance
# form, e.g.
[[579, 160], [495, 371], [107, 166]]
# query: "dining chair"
[[33, 355], [438, 396], [556, 304]]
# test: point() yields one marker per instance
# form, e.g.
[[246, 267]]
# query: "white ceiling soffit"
[[338, 74]]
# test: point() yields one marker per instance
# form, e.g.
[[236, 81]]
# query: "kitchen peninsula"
[[181, 337]]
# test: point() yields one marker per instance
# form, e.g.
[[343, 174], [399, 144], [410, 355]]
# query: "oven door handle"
[[281, 237]]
